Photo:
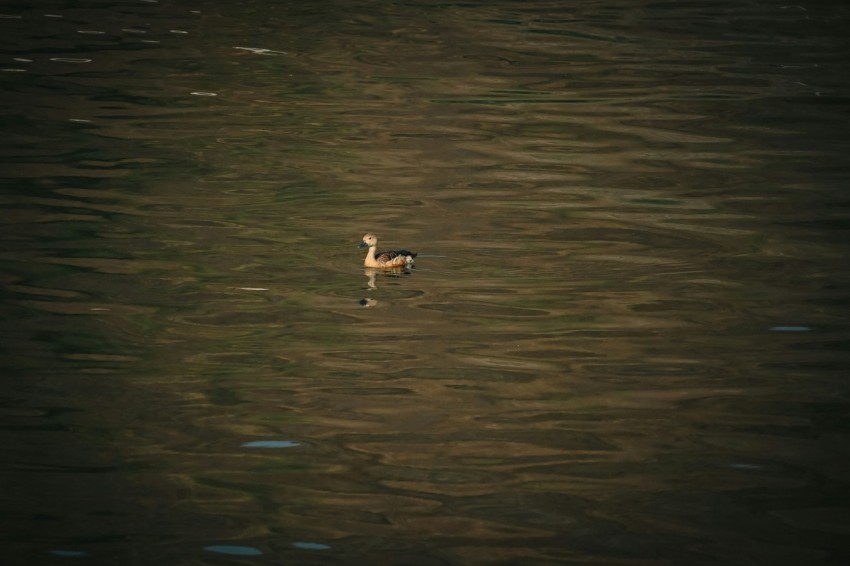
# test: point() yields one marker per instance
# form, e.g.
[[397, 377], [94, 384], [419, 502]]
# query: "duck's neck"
[[370, 257]]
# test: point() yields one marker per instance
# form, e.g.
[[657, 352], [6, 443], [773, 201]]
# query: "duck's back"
[[395, 257]]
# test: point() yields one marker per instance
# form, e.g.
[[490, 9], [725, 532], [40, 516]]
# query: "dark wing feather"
[[389, 255]]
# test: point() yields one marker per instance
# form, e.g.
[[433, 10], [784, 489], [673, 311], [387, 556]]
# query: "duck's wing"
[[390, 255]]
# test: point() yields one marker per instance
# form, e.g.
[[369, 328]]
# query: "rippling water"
[[625, 340]]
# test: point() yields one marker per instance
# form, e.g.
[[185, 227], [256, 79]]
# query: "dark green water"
[[625, 341]]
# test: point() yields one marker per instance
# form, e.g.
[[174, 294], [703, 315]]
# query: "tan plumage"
[[387, 259]]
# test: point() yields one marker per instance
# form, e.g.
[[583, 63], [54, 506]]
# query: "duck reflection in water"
[[372, 274]]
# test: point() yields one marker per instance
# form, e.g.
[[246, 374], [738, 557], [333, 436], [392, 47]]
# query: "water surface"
[[625, 340]]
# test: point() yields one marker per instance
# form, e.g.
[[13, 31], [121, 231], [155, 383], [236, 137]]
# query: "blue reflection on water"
[[311, 546], [234, 550]]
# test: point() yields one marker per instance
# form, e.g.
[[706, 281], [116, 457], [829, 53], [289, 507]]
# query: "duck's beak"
[[363, 244]]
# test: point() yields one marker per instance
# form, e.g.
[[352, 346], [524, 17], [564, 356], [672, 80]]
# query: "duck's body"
[[385, 260]]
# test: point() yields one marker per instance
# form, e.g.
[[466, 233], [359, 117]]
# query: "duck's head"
[[369, 240]]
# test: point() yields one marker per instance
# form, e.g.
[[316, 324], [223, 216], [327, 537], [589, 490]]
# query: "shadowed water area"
[[625, 340]]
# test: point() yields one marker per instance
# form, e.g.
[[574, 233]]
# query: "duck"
[[386, 260]]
